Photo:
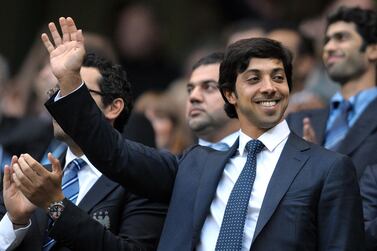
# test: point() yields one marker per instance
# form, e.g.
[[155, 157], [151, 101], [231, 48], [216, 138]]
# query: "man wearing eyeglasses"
[[101, 215]]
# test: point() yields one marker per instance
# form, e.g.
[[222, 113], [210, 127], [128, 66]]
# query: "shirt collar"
[[71, 156], [358, 101], [271, 138], [229, 140]]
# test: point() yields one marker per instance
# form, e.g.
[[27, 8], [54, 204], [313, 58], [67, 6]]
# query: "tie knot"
[[344, 106], [254, 146], [76, 164]]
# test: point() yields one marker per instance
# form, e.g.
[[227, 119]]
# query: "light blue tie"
[[70, 187], [339, 128], [231, 231], [56, 147]]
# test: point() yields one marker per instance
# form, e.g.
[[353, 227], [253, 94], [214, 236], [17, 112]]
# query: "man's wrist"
[[56, 209], [69, 82], [58, 197], [19, 222]]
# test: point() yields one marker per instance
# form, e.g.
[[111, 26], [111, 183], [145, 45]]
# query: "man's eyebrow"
[[207, 81]]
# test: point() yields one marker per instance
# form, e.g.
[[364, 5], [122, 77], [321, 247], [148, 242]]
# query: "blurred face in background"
[[342, 52], [205, 105]]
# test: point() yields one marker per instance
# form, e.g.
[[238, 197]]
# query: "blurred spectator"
[[347, 124], [245, 29], [138, 40], [304, 63], [205, 112], [165, 115]]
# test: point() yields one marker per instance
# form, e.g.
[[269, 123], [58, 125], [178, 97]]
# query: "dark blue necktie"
[[339, 128], [70, 187], [231, 231]]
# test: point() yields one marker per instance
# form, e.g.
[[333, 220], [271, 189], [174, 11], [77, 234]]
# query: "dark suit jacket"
[[360, 143], [368, 189], [108, 218], [312, 201]]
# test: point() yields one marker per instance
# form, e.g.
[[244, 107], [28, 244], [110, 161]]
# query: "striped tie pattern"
[[231, 231], [70, 187], [340, 127]]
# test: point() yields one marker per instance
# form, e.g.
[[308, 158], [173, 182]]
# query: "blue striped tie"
[[70, 187], [339, 128], [231, 231]]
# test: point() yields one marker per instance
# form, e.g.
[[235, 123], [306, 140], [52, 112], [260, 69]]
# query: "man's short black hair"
[[213, 58], [237, 58], [113, 84]]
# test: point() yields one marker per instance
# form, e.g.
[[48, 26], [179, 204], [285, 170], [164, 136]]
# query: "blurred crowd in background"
[[157, 42]]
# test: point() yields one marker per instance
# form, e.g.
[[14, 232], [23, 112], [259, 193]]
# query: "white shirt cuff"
[[58, 96], [10, 238]]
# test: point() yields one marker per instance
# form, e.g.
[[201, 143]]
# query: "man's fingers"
[[47, 43], [6, 178], [55, 34], [14, 160], [308, 131], [56, 168], [80, 37], [28, 163], [72, 28], [64, 28], [19, 177]]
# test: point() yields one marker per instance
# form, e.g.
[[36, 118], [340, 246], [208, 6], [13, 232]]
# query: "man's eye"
[[210, 87], [253, 79], [278, 78]]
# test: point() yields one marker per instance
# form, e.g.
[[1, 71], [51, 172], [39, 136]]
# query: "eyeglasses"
[[56, 88], [96, 92]]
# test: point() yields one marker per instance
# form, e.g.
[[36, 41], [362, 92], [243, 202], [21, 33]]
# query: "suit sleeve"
[[340, 218], [143, 170], [140, 225], [368, 189]]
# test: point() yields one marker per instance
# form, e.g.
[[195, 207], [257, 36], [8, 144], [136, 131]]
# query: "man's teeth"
[[268, 103]]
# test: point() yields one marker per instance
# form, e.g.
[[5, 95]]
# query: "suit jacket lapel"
[[290, 163], [97, 192], [213, 169], [363, 127]]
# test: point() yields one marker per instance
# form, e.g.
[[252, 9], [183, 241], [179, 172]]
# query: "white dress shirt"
[[88, 176], [274, 141]]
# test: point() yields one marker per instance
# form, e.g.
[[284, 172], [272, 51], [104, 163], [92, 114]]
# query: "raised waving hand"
[[66, 53]]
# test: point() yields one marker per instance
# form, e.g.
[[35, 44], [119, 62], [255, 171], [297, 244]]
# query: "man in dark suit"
[[368, 190], [105, 216], [293, 195], [350, 56]]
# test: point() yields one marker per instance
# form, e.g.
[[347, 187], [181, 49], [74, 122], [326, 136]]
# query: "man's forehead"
[[205, 73], [261, 64], [340, 27]]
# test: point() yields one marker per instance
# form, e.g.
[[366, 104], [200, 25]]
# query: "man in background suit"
[[368, 190], [205, 106], [105, 216], [350, 56], [303, 198]]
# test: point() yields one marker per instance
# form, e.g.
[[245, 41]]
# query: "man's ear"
[[372, 52], [113, 110], [230, 96]]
